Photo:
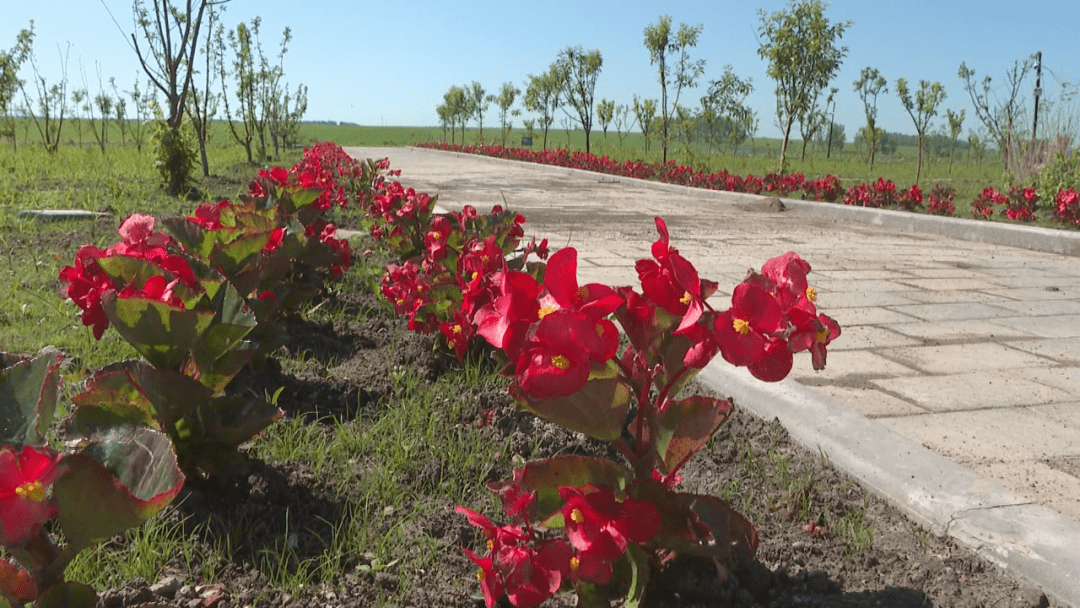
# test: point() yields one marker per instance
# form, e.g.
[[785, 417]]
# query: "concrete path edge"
[[1035, 544], [1033, 238]]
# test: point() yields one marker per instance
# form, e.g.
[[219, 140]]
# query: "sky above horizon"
[[390, 64]]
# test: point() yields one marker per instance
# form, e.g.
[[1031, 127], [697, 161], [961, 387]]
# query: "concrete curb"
[[1033, 543], [1032, 238]]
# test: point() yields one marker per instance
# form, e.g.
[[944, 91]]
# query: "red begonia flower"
[[742, 331], [554, 361], [490, 582], [25, 479]]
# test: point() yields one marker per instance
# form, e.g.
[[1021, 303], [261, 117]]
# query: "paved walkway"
[[969, 349]]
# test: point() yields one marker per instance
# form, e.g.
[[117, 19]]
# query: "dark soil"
[[859, 552], [895, 564]]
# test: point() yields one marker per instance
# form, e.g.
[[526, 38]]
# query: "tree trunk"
[[918, 171], [784, 144]]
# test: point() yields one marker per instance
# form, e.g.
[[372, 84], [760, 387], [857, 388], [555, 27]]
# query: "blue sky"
[[390, 63]]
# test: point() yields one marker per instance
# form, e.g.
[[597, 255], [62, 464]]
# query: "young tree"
[[456, 108], [507, 95], [621, 120], [51, 99], [869, 85], [580, 70], [835, 138], [726, 117], [543, 95], [811, 124], [171, 35], [998, 113], [141, 101], [119, 111], [605, 112], [103, 103], [478, 104], [644, 113], [663, 44], [921, 109], [244, 76], [10, 63], [800, 46], [956, 124], [202, 106], [78, 102]]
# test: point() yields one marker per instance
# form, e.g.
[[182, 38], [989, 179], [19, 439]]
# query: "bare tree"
[[10, 64], [202, 105], [869, 85], [998, 113], [51, 99]]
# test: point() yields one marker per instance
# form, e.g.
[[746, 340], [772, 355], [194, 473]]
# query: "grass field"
[[967, 175]]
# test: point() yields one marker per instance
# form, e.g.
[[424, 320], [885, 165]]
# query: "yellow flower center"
[[576, 516], [480, 576], [583, 292], [685, 299], [560, 362], [435, 235], [545, 311], [599, 330], [457, 329], [484, 259], [401, 302], [475, 274], [575, 563], [811, 294], [450, 344], [32, 490], [741, 326], [822, 335], [490, 544]]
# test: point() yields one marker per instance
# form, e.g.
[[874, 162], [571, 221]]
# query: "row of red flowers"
[[578, 523], [1019, 204]]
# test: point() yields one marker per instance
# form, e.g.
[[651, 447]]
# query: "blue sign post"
[[526, 142]]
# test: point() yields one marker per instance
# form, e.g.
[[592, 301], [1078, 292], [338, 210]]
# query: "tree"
[[543, 95], [869, 85], [580, 70], [621, 120], [726, 118], [78, 101], [956, 124], [811, 124], [171, 37], [998, 113], [10, 63], [977, 146], [202, 106], [835, 138], [244, 77], [507, 95], [800, 47], [921, 109], [456, 107], [662, 46], [605, 113], [644, 112], [51, 99], [478, 104]]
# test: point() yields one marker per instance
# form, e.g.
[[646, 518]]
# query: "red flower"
[[505, 321], [490, 583], [274, 241], [457, 331], [672, 282], [278, 175], [25, 479], [788, 272], [599, 526], [86, 283], [748, 333], [554, 361]]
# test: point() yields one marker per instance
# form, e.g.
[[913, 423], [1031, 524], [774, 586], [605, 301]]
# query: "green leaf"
[[28, 389], [670, 351], [134, 391], [234, 420], [116, 480], [69, 594], [732, 534], [599, 409], [687, 425], [631, 575], [161, 332], [547, 475]]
